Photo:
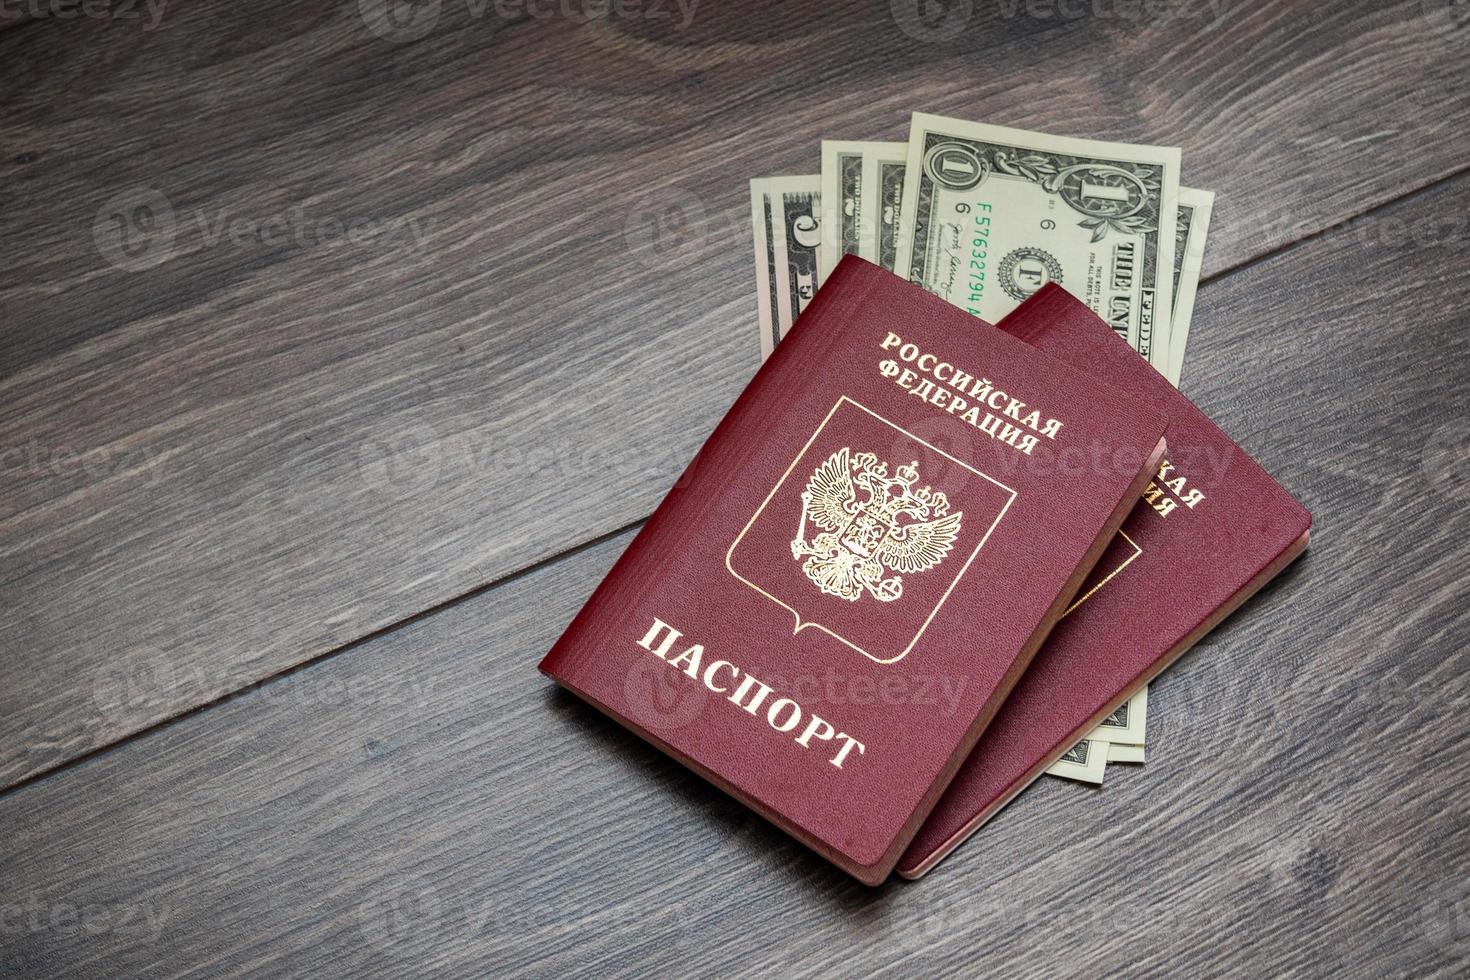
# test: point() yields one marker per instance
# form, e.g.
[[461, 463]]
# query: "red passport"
[[1212, 528], [827, 609]]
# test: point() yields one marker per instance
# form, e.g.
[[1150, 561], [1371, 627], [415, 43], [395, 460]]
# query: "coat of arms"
[[871, 524]]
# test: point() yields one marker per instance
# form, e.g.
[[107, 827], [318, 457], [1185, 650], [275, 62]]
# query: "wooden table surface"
[[343, 346]]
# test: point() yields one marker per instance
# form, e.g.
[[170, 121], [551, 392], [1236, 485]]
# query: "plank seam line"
[[341, 649], [573, 550], [1342, 223]]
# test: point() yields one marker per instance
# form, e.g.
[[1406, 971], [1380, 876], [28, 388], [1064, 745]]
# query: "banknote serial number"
[[979, 251]]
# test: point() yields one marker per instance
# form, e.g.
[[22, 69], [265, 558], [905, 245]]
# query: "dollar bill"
[[1086, 761], [842, 196], [761, 219], [1195, 207], [784, 213], [1123, 731], [1125, 753], [891, 162], [853, 202], [991, 214], [1127, 722], [889, 208]]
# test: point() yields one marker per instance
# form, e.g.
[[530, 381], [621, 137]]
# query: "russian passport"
[[1210, 529], [831, 604]]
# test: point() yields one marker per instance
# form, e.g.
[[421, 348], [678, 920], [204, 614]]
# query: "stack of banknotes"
[[984, 216]]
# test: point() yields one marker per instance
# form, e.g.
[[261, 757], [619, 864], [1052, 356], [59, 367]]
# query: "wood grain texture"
[[426, 803], [281, 438]]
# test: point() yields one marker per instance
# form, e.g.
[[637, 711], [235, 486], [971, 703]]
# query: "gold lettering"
[[744, 689], [923, 389], [709, 674], [776, 708], [841, 755], [949, 386], [1178, 485], [1154, 497], [817, 727], [669, 640], [689, 660], [784, 714]]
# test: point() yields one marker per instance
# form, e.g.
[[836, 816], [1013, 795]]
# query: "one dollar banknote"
[[785, 215], [862, 189], [990, 215]]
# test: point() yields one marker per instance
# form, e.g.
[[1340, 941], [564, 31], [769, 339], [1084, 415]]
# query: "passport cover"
[[1212, 528], [827, 608]]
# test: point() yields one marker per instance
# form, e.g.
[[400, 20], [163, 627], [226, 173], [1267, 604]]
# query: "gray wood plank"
[[273, 443], [426, 802]]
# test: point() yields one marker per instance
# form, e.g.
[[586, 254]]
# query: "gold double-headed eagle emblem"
[[864, 530], [871, 524]]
